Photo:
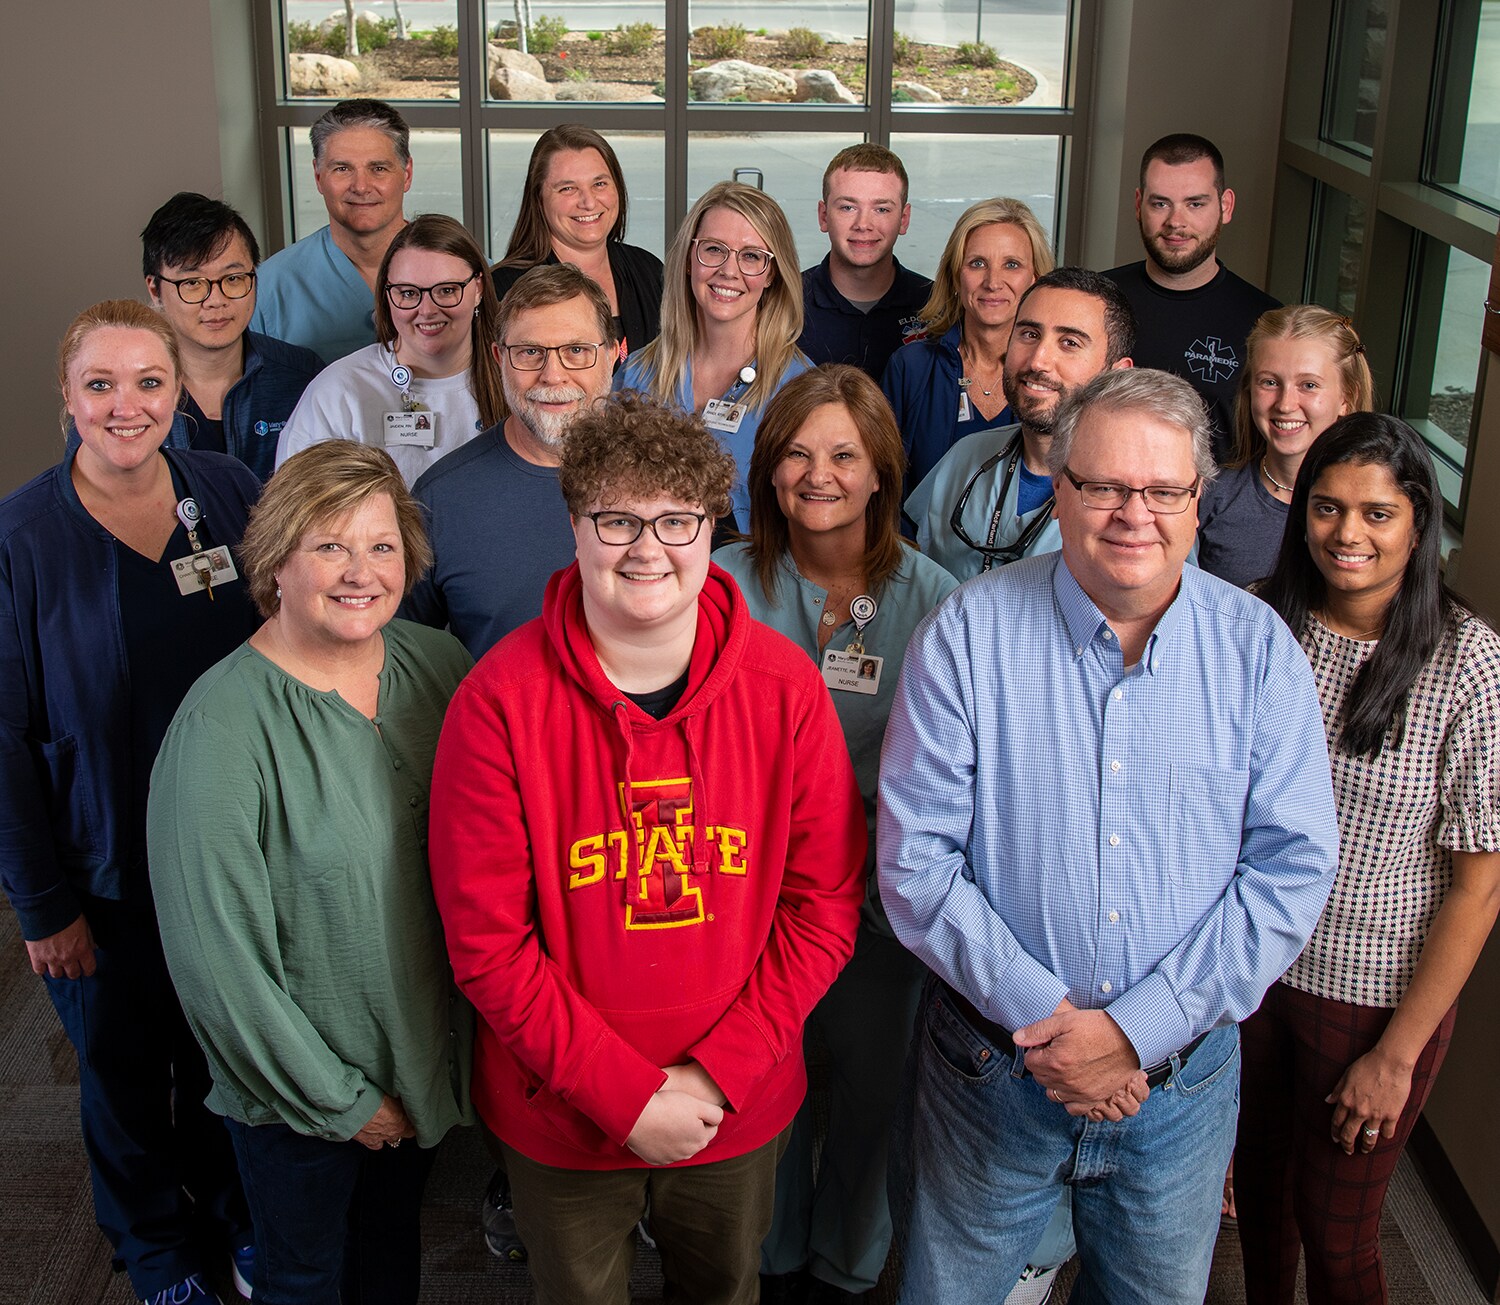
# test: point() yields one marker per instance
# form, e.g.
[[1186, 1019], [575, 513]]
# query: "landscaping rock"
[[921, 94], [604, 92], [321, 74], [513, 84], [502, 56], [821, 85], [734, 78]]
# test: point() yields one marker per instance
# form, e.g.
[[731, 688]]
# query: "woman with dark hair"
[[431, 382], [118, 592], [827, 567], [573, 211], [1342, 1054], [731, 314], [288, 827]]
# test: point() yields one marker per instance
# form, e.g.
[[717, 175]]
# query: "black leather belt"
[[1156, 1074]]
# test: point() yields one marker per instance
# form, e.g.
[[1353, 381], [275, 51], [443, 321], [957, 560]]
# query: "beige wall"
[[112, 109], [1217, 70]]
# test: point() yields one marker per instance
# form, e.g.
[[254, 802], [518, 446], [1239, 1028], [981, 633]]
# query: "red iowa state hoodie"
[[620, 894]]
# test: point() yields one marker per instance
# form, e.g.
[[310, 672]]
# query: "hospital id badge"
[[852, 672], [410, 429], [724, 415], [203, 570]]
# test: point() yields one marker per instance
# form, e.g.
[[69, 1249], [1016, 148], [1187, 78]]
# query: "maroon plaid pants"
[[1294, 1188]]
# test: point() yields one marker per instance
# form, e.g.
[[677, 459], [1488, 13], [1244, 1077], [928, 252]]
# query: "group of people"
[[565, 695]]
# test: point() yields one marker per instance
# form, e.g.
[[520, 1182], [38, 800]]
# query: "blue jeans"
[[987, 1156], [334, 1221]]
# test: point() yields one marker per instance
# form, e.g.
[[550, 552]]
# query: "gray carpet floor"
[[54, 1255]]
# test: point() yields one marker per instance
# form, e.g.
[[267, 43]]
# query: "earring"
[[278, 593], [476, 310]]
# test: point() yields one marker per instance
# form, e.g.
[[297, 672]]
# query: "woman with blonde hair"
[[1304, 369], [431, 382], [573, 211], [952, 383], [731, 315], [826, 566]]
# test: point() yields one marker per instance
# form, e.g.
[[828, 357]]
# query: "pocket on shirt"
[[960, 1046], [1208, 823], [74, 822]]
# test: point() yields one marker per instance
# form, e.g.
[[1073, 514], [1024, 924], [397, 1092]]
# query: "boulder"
[[513, 84], [502, 56], [921, 94], [734, 78], [818, 84], [336, 22], [321, 74], [605, 92]]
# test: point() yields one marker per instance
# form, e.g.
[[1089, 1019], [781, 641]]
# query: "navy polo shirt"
[[835, 331]]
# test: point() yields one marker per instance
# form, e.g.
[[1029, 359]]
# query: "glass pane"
[[576, 50], [981, 52], [815, 52], [436, 179], [408, 50], [642, 158], [792, 167], [1355, 60], [1338, 235], [948, 173], [1466, 141]]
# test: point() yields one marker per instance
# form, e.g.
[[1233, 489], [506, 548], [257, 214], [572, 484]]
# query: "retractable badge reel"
[[413, 426], [203, 568], [854, 670]]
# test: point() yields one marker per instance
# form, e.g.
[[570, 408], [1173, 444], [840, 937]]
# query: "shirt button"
[[1114, 765], [1114, 840], [1114, 917], [1078, 650], [395, 765], [1108, 634], [1119, 693], [413, 801], [1106, 986]]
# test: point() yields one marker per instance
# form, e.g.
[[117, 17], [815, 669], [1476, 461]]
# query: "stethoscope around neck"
[[1000, 555]]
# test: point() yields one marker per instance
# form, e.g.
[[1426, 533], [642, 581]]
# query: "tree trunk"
[[523, 21], [351, 31], [401, 33]]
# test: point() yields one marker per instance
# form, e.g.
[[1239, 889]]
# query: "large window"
[[981, 97], [1389, 197]]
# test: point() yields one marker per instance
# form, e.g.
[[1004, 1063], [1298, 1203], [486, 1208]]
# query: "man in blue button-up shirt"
[[1107, 826]]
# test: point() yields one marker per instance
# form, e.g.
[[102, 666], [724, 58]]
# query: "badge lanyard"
[[994, 554], [861, 611]]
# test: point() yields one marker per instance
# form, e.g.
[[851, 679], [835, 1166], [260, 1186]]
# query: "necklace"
[[966, 381], [1265, 471], [1327, 622]]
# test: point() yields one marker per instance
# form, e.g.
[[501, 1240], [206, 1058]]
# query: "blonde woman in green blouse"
[[288, 831]]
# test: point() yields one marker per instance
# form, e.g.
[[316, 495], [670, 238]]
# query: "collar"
[[1084, 620]]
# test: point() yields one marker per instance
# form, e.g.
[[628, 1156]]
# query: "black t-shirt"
[[658, 703], [1197, 334]]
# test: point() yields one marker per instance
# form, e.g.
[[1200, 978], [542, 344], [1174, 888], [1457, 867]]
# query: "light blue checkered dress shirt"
[[1157, 841]]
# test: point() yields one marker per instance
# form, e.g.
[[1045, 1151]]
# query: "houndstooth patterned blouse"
[[1432, 791]]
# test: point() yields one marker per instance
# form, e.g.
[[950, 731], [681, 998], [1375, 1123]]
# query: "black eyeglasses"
[[1164, 500], [195, 289], [750, 260], [575, 357], [674, 529], [445, 294]]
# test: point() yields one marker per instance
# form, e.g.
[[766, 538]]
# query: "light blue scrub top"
[[312, 294]]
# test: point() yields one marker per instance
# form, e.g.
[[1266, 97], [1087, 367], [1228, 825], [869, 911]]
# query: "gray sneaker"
[[499, 1221]]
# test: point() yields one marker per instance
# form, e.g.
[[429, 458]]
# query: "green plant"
[[546, 34], [902, 96], [803, 43], [761, 31], [595, 36], [632, 38], [922, 70], [1005, 84], [442, 41], [578, 74], [722, 42], [303, 38], [979, 53], [659, 89], [901, 50]]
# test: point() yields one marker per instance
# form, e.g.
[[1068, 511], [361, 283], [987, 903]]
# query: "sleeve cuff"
[[1150, 1016]]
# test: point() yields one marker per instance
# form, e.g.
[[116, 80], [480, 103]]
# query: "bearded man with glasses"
[[1106, 826]]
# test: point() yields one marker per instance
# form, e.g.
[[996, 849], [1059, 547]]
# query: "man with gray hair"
[[320, 292], [1106, 826], [557, 350]]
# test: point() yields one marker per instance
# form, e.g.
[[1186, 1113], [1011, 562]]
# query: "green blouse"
[[288, 848]]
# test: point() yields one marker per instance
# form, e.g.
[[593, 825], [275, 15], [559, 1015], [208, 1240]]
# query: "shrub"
[[595, 36], [632, 38], [803, 43], [979, 53], [901, 51], [546, 34], [902, 96], [442, 41], [303, 38], [722, 42], [1005, 84]]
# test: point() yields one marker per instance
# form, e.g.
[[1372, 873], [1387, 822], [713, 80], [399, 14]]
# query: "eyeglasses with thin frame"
[[751, 261], [1107, 496], [576, 357], [195, 289], [674, 529], [445, 294]]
